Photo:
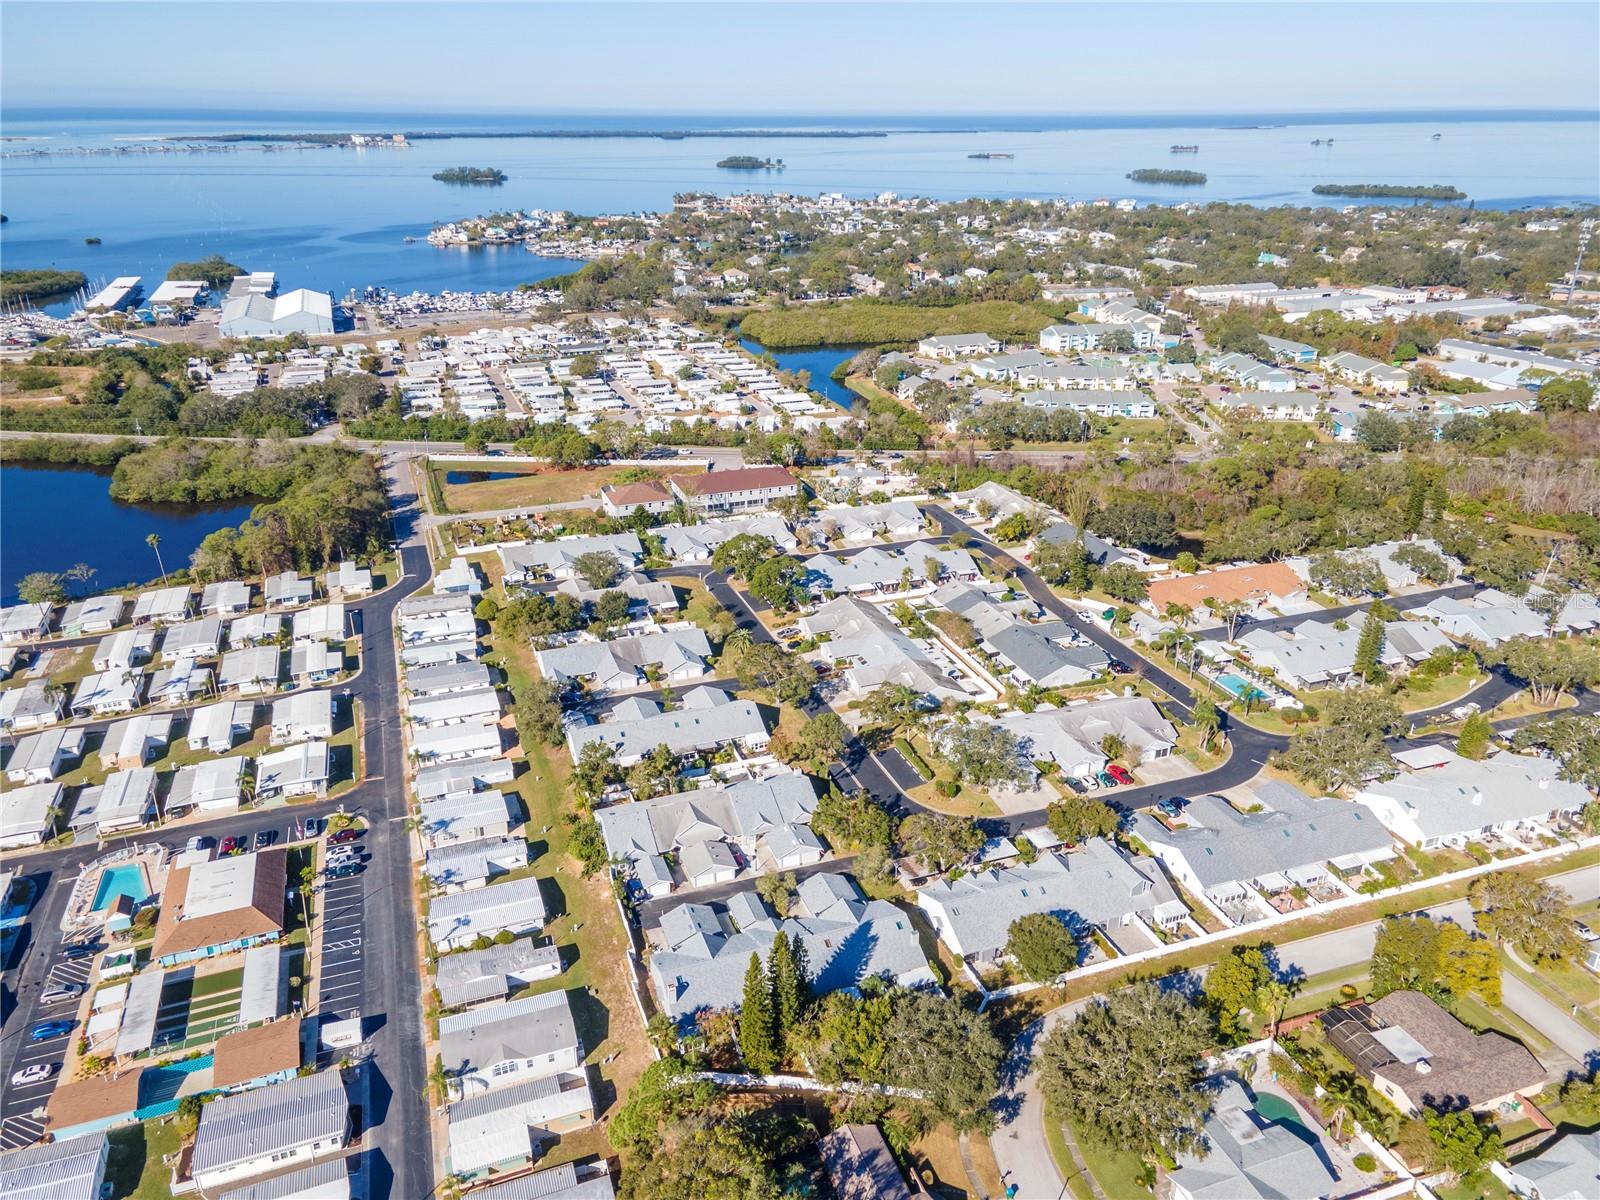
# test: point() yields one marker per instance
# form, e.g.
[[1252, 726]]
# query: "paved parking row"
[[341, 989], [19, 1126]]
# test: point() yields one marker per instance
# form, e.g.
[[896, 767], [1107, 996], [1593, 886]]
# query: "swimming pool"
[[1276, 1108], [1238, 685], [125, 879]]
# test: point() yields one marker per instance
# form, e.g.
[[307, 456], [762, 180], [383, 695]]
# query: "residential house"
[[1249, 1156], [458, 740], [706, 719], [1222, 853], [270, 1128], [124, 651], [697, 543], [1420, 1057], [257, 1057], [872, 650], [860, 1165], [1094, 887], [252, 671], [535, 560], [704, 952], [1565, 1168], [348, 579], [136, 740], [312, 663], [1316, 653], [995, 501], [457, 866], [216, 785], [646, 596], [769, 820], [458, 919], [1259, 584], [446, 678], [473, 977], [28, 815], [502, 1132], [69, 1169], [885, 570], [1286, 351], [299, 770], [1071, 737], [40, 757], [739, 490], [200, 638], [1252, 374], [288, 590], [163, 606], [1092, 401], [623, 499], [216, 728], [32, 706], [221, 906], [25, 622], [555, 1183], [183, 682], [1447, 800], [1366, 371], [460, 578], [98, 614], [301, 717], [228, 598], [1047, 653], [320, 623], [502, 1045], [1273, 404], [108, 693], [126, 800], [1492, 617], [858, 524], [1100, 552], [951, 346], [255, 629], [329, 1179], [466, 816], [625, 663]]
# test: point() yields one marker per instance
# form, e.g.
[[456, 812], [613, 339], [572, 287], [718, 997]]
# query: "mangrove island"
[[749, 162], [491, 176], [1153, 175], [39, 285], [1424, 191]]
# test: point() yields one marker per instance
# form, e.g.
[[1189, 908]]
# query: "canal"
[[819, 361]]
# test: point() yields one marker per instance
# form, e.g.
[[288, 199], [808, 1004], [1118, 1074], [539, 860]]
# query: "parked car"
[[44, 1031], [199, 843], [1116, 666], [34, 1074], [1107, 779], [314, 827], [57, 992], [1120, 773], [80, 950], [265, 838], [343, 870], [343, 836], [231, 845], [1172, 807]]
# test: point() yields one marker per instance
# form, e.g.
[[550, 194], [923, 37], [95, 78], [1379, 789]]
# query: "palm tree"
[[1273, 996], [1179, 614], [154, 542]]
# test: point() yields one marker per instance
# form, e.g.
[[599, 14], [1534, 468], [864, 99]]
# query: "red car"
[[344, 835], [231, 845], [1120, 774]]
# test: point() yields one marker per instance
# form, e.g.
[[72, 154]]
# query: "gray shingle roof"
[[296, 1112], [1252, 1158]]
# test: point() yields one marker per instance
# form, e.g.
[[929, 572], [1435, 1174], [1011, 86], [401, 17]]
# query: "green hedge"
[[915, 759]]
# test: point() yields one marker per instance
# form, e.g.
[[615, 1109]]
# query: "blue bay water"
[[337, 218], [53, 517], [819, 361]]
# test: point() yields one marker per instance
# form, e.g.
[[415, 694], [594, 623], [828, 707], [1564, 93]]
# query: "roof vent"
[[1477, 795]]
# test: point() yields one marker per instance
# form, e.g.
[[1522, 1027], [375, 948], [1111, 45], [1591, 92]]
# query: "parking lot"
[[340, 988], [19, 1126]]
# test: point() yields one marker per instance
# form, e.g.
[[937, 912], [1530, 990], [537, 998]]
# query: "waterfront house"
[[221, 906], [299, 770], [348, 579], [270, 1128], [25, 622], [98, 614], [227, 598], [950, 346], [163, 606]]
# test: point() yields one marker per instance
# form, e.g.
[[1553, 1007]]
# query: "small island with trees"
[[1422, 191], [1158, 175], [490, 176], [31, 286], [749, 162], [214, 270]]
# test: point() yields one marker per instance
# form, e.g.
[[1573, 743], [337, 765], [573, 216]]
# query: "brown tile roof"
[[248, 1054], [1478, 1066], [1262, 581], [743, 479], [636, 493], [262, 914], [93, 1100]]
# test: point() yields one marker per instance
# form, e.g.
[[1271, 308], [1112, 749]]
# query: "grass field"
[[135, 1170], [533, 485]]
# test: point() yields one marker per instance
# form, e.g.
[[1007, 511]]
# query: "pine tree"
[[1079, 576], [1417, 502], [1370, 647], [1474, 739], [757, 1040], [787, 966]]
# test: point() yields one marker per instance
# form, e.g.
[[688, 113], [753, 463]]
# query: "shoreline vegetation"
[[1424, 191], [749, 162], [490, 176], [872, 322], [343, 139], [34, 285], [1159, 175]]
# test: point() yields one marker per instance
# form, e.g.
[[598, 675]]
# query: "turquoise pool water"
[[1239, 686], [124, 880], [1276, 1108]]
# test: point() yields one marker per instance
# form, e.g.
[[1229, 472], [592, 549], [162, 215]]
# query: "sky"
[[803, 58]]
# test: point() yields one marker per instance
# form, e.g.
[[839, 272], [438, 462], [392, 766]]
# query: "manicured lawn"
[[344, 751], [1117, 1171], [1441, 690], [533, 486], [1488, 1188], [136, 1171], [1480, 1016]]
